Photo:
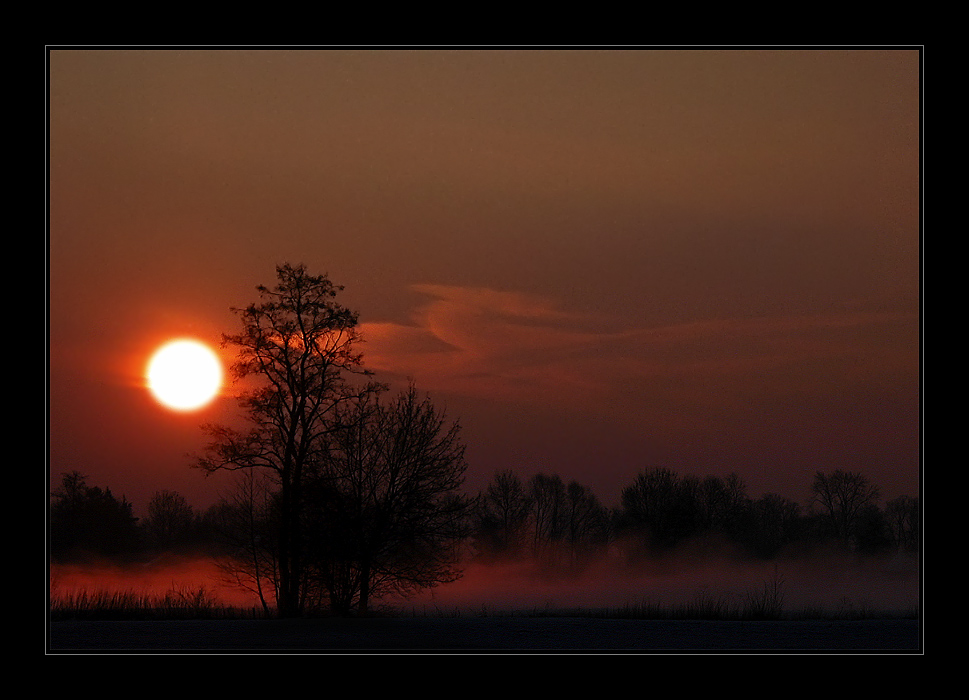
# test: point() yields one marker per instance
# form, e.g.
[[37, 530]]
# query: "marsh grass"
[[764, 601], [178, 603]]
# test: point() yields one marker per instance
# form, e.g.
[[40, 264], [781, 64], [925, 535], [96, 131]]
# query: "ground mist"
[[684, 584]]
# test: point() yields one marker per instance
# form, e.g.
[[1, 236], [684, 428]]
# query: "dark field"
[[484, 635]]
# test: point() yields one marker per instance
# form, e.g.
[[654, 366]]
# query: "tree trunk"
[[288, 603], [283, 601], [364, 587]]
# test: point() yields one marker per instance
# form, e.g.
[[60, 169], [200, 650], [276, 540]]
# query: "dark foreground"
[[483, 635]]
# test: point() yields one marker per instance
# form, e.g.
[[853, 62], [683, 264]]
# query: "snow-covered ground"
[[485, 635]]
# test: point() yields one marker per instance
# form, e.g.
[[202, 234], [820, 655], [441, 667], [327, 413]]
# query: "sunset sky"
[[597, 260]]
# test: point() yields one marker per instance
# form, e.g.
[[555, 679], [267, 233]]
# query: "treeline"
[[662, 511], [543, 517], [90, 522]]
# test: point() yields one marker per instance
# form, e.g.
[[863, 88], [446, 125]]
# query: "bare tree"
[[170, 520], [661, 507], [503, 511], [842, 497], [722, 502], [549, 509], [586, 519], [903, 519], [389, 516], [244, 520], [774, 522], [297, 347]]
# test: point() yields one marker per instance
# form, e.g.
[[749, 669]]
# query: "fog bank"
[[830, 583]]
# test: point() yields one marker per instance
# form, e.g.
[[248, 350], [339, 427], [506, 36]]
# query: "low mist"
[[829, 584], [833, 583], [153, 579]]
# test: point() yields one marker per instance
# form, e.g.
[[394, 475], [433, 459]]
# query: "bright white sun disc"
[[184, 374]]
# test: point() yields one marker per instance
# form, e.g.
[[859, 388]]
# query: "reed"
[[766, 602], [178, 603]]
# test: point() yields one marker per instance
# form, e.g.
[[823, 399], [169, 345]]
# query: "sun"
[[184, 374]]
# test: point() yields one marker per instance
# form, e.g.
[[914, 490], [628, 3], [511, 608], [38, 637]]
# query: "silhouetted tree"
[[88, 521], [772, 522], [502, 515], [842, 497], [245, 522], [586, 520], [171, 521], [903, 522], [661, 508], [871, 535], [548, 498], [722, 504], [298, 348], [386, 512]]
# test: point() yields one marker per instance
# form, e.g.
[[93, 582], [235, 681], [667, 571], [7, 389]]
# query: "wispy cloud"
[[514, 347]]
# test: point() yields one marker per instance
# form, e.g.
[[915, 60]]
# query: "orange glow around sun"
[[184, 375]]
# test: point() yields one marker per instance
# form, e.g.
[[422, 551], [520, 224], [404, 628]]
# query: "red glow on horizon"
[[149, 581], [828, 583]]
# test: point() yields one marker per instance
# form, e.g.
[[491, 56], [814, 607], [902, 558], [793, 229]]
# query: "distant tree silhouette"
[[903, 522], [871, 534], [171, 522], [723, 503], [586, 521], [842, 497], [502, 515], [661, 508], [297, 348], [772, 522], [86, 521], [548, 498], [545, 517]]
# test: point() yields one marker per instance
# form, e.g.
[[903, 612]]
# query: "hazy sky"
[[598, 261]]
